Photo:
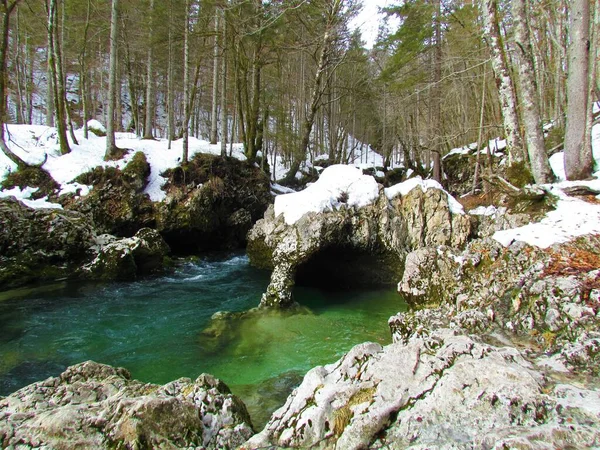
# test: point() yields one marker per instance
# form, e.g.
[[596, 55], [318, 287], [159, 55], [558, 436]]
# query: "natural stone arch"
[[397, 222]]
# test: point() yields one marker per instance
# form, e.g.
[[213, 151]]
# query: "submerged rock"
[[356, 218], [95, 406], [440, 390]]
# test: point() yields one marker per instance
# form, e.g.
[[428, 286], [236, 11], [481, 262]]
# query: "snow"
[[487, 211], [572, 218], [408, 185], [34, 143], [327, 193], [25, 197], [96, 125]]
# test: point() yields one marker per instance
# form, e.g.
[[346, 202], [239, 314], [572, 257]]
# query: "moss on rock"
[[34, 177]]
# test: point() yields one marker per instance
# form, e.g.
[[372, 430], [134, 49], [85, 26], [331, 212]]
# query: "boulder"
[[211, 204], [127, 258], [385, 228], [440, 390], [116, 203], [95, 406], [40, 244], [550, 296]]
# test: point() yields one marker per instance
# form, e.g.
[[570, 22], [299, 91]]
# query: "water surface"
[[154, 328]]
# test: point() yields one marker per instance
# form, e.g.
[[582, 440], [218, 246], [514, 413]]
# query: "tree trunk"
[[111, 146], [578, 151], [532, 122], [186, 83], [223, 87], [57, 82], [170, 88], [436, 144], [506, 90], [150, 79], [7, 9], [215, 86]]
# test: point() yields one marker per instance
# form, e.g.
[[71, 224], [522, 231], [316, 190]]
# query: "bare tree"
[[111, 147], [506, 89], [148, 128], [532, 122], [215, 87], [6, 9], [578, 150]]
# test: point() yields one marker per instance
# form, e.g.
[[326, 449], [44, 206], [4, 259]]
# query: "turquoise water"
[[154, 328]]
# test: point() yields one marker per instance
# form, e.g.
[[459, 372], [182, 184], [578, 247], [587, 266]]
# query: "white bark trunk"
[[111, 147], [506, 90], [532, 123], [578, 150]]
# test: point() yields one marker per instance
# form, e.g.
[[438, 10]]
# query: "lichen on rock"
[[96, 406]]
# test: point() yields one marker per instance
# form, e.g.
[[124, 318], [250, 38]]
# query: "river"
[[154, 328]]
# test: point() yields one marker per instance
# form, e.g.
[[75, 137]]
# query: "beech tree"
[[111, 147], [578, 150], [6, 9]]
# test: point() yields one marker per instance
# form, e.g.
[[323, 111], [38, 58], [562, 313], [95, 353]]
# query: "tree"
[[112, 150], [215, 86], [578, 150], [58, 83], [186, 83], [532, 122], [504, 82], [150, 75], [6, 9], [336, 13]]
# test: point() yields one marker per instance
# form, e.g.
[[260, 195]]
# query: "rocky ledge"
[[94, 406], [38, 245], [438, 389], [347, 213]]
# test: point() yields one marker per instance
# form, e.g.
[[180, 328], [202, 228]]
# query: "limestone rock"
[[124, 259], [95, 406], [116, 203], [40, 244], [387, 229], [211, 203], [440, 390]]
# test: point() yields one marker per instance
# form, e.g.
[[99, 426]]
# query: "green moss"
[[32, 177], [137, 171], [519, 175]]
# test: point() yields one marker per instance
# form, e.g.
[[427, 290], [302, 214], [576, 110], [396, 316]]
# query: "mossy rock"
[[213, 202], [519, 175], [394, 176], [116, 203], [137, 171], [32, 177]]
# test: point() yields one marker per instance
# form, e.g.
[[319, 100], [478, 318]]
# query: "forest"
[[293, 78]]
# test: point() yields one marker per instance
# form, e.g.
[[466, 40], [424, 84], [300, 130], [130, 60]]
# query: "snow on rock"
[[337, 185], [24, 196], [572, 218], [96, 125], [35, 143], [408, 185]]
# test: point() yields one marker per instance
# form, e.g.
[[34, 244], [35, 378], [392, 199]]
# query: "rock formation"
[[39, 245], [442, 389], [389, 225], [94, 406]]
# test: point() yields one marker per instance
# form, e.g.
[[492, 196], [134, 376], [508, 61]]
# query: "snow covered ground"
[[33, 142]]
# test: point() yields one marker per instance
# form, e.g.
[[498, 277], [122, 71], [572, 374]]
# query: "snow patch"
[[337, 185], [572, 218], [24, 196]]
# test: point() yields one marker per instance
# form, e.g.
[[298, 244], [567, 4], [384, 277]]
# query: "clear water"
[[154, 328]]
